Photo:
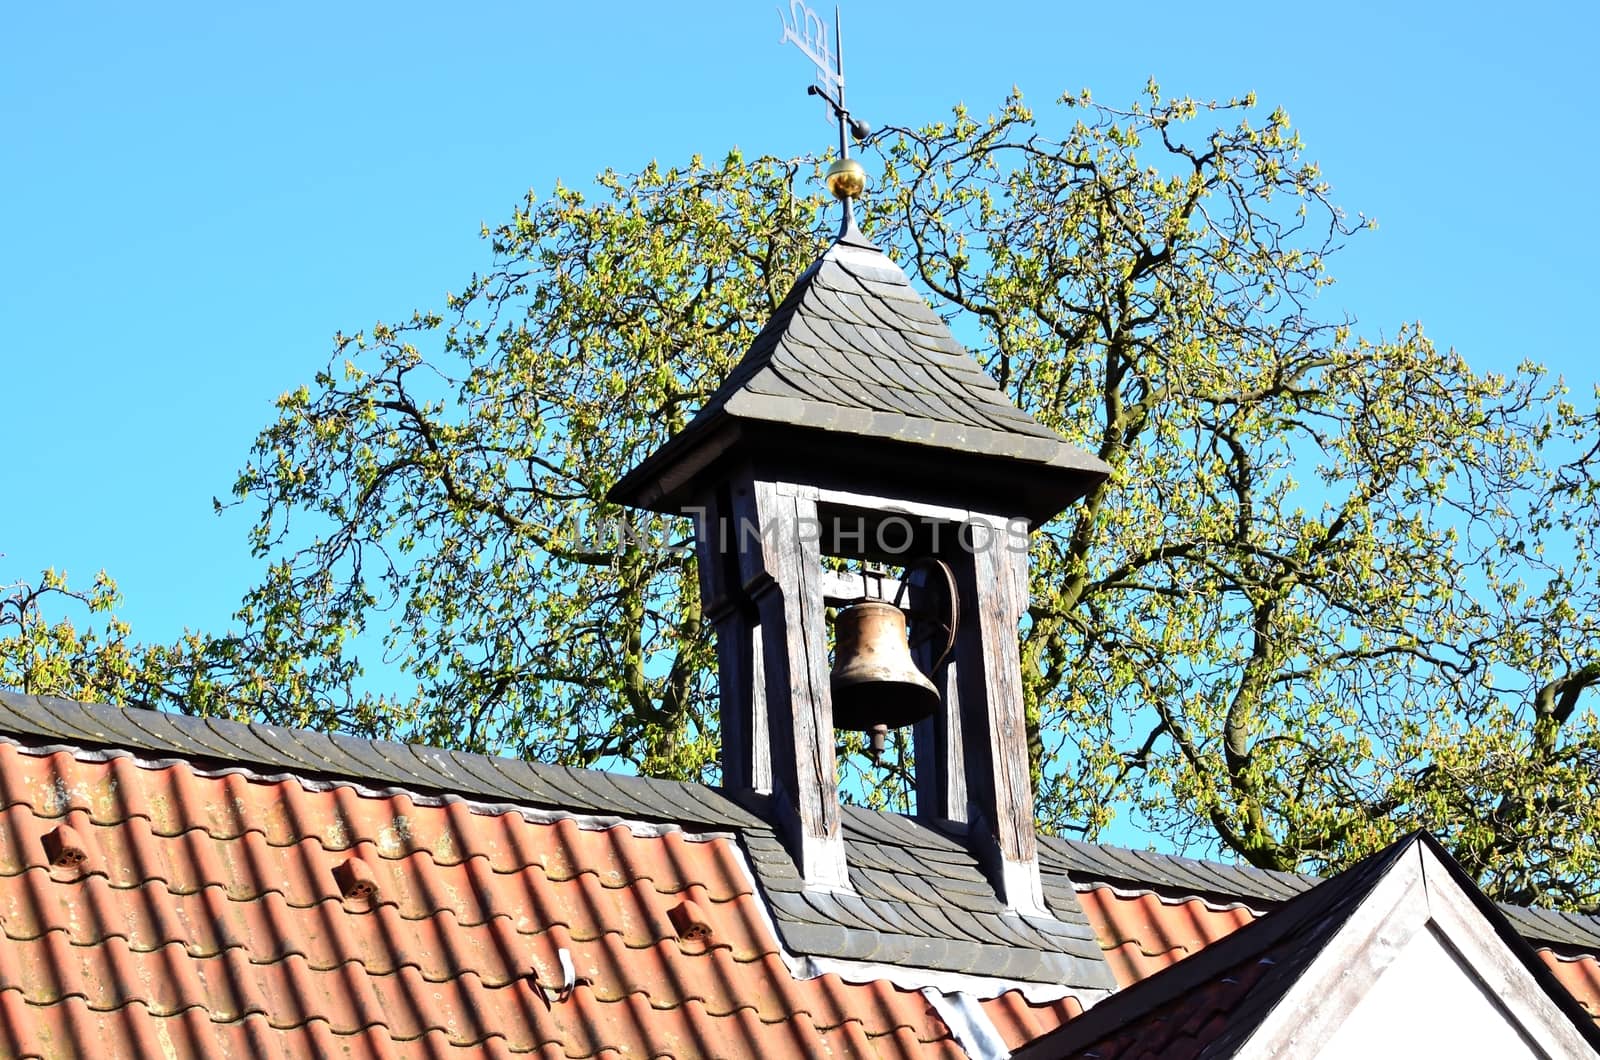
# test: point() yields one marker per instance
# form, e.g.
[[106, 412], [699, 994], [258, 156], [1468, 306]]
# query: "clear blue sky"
[[194, 197]]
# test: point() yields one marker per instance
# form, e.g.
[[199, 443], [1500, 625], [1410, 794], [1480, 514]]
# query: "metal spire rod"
[[838, 58], [806, 30], [848, 124]]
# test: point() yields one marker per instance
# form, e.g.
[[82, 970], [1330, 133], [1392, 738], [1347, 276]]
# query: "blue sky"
[[194, 198]]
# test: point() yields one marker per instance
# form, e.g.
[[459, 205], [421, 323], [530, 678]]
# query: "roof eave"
[[1031, 478], [662, 482]]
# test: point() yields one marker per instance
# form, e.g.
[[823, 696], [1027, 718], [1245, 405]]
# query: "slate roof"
[[1209, 1004], [854, 350]]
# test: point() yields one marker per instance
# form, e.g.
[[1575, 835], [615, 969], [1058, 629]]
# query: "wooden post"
[[992, 575], [938, 760], [775, 536], [746, 750]]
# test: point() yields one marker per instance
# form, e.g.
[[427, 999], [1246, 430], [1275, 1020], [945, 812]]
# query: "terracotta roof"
[[1143, 933], [1189, 1005], [1152, 910], [209, 908], [1019, 1021], [1147, 872], [271, 896], [920, 897], [1580, 974], [145, 903]]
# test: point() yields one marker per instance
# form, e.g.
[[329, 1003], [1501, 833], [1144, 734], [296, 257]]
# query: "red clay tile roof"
[[1580, 974], [1187, 1005], [920, 896], [1176, 878], [206, 915], [1019, 1020], [195, 910], [1183, 1027], [1143, 932]]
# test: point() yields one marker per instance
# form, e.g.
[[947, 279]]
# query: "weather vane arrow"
[[807, 31]]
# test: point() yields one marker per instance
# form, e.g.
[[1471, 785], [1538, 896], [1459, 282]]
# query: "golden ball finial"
[[846, 179]]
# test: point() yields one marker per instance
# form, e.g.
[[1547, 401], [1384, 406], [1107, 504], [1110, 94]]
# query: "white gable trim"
[[1417, 894]]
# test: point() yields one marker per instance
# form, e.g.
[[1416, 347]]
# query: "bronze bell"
[[876, 686]]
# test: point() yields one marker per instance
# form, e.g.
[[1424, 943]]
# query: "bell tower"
[[856, 426]]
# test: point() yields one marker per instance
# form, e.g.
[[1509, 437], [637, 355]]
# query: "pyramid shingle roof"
[[855, 352]]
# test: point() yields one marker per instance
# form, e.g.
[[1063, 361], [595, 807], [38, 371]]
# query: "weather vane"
[[806, 30]]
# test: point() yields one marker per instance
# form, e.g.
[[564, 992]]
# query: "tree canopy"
[[1337, 586]]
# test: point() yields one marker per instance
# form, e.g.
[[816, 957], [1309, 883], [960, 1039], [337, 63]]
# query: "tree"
[[260, 675], [1336, 586]]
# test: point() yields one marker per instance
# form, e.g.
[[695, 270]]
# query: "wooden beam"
[[845, 587], [780, 564], [991, 576], [745, 753]]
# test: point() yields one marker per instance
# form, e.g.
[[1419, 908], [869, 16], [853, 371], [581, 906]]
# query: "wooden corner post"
[[760, 574], [984, 739]]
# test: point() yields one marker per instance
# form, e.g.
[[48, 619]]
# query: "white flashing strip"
[[1564, 958], [973, 1030], [906, 977], [957, 993], [1164, 899]]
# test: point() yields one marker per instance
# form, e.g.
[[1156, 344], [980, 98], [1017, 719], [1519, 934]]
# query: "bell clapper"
[[878, 736]]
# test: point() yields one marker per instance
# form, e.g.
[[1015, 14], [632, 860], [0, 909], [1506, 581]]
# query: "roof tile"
[[207, 917], [508, 778], [351, 756], [390, 823], [1019, 1020], [1580, 974], [1142, 933]]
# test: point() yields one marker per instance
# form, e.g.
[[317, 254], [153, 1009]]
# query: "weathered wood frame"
[[760, 541]]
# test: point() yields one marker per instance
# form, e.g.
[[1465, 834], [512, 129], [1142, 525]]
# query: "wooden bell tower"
[[857, 426]]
